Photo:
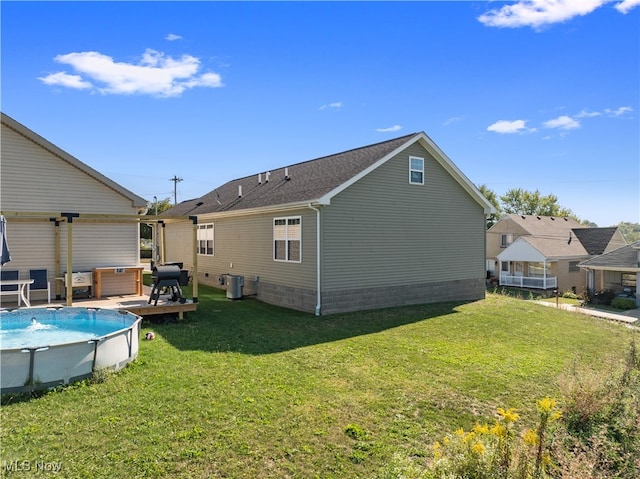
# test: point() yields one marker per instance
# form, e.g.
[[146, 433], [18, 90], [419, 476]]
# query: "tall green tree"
[[493, 199], [523, 202], [155, 208]]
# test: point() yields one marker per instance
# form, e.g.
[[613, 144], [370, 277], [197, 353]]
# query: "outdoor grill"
[[166, 277]]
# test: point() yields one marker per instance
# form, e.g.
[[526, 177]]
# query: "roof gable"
[[316, 181], [22, 130], [595, 240]]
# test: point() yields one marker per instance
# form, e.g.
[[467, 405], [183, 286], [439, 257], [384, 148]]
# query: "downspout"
[[318, 284]]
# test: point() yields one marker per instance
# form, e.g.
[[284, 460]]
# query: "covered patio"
[[64, 278]]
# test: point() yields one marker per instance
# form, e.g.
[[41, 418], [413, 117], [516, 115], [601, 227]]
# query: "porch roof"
[[626, 258], [540, 249]]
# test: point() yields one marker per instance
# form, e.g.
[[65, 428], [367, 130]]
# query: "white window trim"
[[205, 227], [411, 170], [287, 239]]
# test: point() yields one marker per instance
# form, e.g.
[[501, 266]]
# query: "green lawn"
[[243, 389]]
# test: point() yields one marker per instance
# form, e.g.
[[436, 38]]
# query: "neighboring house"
[[543, 252], [617, 270], [388, 224], [39, 185]]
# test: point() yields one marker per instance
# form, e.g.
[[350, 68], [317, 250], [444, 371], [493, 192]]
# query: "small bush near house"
[[602, 297], [569, 295], [623, 303]]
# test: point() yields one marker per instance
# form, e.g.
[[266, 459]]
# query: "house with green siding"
[[393, 223]]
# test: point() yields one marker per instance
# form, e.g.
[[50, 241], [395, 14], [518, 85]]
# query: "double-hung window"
[[416, 170], [205, 239], [287, 239], [506, 239]]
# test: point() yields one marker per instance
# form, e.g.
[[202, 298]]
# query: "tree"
[[493, 199], [523, 202], [155, 208]]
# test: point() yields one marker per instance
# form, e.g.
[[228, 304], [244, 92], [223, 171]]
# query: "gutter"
[[318, 283]]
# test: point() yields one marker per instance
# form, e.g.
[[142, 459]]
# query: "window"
[[629, 279], [205, 239], [287, 239], [573, 266], [506, 240], [416, 170]]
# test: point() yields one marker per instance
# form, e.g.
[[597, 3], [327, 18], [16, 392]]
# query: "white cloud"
[[155, 74], [563, 122], [66, 80], [173, 37], [620, 111], [587, 114], [538, 13], [504, 126], [334, 105], [627, 5], [390, 129], [450, 121]]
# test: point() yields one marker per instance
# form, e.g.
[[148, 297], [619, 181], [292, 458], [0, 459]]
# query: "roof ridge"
[[410, 135]]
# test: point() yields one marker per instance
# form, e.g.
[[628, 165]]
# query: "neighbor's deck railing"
[[536, 282]]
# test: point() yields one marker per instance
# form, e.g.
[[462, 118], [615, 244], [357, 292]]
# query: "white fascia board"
[[136, 201], [326, 199], [260, 210], [457, 174], [521, 250], [436, 153]]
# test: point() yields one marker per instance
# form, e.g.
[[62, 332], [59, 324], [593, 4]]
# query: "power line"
[[175, 180]]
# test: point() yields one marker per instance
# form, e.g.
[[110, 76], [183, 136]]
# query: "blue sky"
[[531, 94]]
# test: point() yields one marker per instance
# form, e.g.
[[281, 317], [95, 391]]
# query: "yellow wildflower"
[[459, 432], [469, 437], [481, 429], [498, 430], [530, 437], [445, 440], [508, 416], [546, 404], [478, 448], [437, 452]]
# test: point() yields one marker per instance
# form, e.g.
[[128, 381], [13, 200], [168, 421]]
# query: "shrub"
[[596, 436], [623, 303], [603, 297], [569, 295]]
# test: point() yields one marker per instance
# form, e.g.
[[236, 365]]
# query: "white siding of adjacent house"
[[33, 179]]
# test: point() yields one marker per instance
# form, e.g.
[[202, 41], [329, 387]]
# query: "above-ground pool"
[[47, 347]]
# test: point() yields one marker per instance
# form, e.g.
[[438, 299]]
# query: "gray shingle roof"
[[595, 240], [621, 258], [308, 181]]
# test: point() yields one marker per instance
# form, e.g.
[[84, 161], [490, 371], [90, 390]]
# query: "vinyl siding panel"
[[384, 231], [244, 246], [33, 179]]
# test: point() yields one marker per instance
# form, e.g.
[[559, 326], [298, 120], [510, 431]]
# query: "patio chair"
[[40, 282], [9, 275]]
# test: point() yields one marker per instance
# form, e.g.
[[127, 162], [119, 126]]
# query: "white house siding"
[[387, 242], [34, 179]]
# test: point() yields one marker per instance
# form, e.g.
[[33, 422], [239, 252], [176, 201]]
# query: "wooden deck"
[[134, 303]]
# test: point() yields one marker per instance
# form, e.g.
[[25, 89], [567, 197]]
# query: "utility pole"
[[175, 180]]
